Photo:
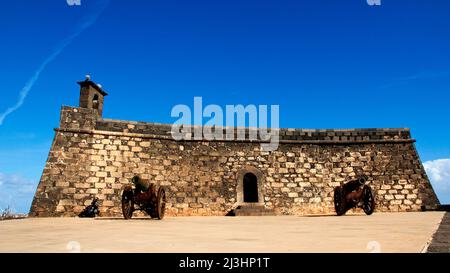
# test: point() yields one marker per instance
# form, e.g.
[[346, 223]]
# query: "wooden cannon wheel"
[[161, 203], [368, 200], [339, 201], [127, 203]]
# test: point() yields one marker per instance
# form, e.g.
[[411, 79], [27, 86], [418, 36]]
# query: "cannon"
[[354, 194], [144, 196], [90, 211]]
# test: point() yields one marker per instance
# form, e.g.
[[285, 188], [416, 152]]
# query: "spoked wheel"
[[161, 203], [368, 200], [339, 201], [127, 204], [152, 212]]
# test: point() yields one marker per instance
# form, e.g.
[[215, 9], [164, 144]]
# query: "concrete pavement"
[[380, 232]]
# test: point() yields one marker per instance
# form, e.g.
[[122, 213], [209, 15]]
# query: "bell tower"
[[92, 95]]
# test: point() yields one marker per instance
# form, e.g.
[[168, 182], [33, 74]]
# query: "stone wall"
[[91, 157]]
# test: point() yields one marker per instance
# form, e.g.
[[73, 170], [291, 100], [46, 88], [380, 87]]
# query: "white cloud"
[[16, 192], [439, 173]]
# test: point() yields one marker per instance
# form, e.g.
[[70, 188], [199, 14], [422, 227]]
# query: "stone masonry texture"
[[95, 157]]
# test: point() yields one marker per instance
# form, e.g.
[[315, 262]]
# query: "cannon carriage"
[[144, 196], [354, 194]]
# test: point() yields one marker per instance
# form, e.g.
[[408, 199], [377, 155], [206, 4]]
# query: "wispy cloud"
[[418, 76], [439, 173], [20, 170], [17, 136], [85, 23], [425, 75], [16, 192]]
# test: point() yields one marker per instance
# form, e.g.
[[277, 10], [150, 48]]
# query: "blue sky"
[[328, 64]]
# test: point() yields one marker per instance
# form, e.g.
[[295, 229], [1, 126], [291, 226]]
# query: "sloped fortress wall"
[[94, 157]]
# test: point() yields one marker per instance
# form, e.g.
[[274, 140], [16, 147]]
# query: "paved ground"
[[393, 232]]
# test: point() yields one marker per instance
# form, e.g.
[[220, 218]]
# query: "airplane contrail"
[[89, 20]]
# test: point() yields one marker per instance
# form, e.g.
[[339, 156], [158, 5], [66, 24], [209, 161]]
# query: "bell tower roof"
[[87, 83]]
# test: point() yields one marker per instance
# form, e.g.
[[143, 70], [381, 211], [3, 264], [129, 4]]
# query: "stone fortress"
[[95, 157]]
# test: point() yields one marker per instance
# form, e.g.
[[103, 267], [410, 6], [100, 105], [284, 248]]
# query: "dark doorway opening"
[[250, 188], [95, 102]]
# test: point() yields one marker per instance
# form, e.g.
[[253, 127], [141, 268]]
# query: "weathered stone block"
[[108, 203], [101, 174], [62, 184], [136, 149], [389, 197], [100, 185], [411, 196], [82, 185], [399, 196], [98, 146], [110, 180], [144, 144]]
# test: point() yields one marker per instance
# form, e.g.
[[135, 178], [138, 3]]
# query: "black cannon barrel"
[[355, 184], [140, 183]]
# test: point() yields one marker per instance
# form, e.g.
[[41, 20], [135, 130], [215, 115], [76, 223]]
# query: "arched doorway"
[[250, 184]]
